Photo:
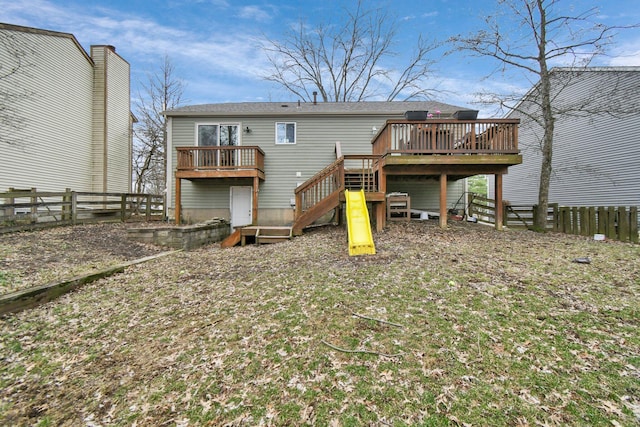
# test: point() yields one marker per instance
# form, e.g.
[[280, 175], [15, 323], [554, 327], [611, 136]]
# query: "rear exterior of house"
[[288, 163], [298, 140], [595, 152], [70, 121]]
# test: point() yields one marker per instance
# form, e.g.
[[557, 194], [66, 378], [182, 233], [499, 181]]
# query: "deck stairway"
[[273, 234], [258, 234], [322, 192]]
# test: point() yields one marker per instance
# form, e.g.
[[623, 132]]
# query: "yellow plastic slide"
[[358, 226]]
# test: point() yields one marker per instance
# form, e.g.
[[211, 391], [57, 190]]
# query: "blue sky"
[[214, 44]]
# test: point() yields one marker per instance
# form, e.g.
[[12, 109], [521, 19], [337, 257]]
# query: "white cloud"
[[627, 53], [255, 13], [223, 57]]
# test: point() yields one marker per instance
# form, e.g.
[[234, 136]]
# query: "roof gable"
[[30, 30]]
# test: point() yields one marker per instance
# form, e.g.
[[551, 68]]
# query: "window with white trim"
[[218, 134], [285, 133]]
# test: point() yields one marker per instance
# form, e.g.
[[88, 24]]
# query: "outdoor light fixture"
[[374, 130], [247, 130]]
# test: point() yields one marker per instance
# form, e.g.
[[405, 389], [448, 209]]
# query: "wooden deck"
[[220, 162], [443, 149], [447, 136]]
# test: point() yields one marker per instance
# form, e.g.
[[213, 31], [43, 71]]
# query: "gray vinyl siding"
[[52, 151], [288, 165], [70, 116], [314, 149], [595, 158], [425, 193]]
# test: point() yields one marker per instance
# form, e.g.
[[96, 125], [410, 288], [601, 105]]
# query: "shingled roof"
[[392, 108]]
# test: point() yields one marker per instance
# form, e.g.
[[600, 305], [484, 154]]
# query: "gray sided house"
[[66, 118], [596, 150], [288, 163]]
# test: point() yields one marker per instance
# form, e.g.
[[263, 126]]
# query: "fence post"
[[602, 220], [611, 222], [34, 208], [633, 224], [561, 219], [74, 208], [11, 211], [623, 224], [123, 207], [574, 221], [66, 208], [593, 227], [148, 211]]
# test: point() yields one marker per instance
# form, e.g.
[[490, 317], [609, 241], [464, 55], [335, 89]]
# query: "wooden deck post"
[[178, 202], [381, 213], [254, 207], [498, 202], [443, 200]]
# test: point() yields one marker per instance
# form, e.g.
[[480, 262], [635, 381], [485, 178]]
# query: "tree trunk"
[[548, 120]]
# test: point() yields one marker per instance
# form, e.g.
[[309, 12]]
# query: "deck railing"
[[360, 172], [448, 136], [220, 158], [328, 181], [322, 185]]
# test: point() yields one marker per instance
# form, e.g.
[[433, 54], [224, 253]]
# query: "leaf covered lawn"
[[463, 326]]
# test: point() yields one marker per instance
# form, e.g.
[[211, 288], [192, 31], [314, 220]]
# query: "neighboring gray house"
[[282, 163], [66, 121], [596, 150]]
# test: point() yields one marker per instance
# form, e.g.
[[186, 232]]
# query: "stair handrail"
[[305, 203]]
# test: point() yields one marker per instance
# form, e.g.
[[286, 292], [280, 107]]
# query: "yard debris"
[[344, 350], [378, 320], [583, 260], [269, 335]]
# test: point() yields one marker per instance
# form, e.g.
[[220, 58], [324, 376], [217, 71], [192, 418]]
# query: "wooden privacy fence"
[[29, 209], [617, 223]]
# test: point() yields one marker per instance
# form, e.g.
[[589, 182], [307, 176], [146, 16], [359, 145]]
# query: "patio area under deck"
[[230, 162], [450, 168]]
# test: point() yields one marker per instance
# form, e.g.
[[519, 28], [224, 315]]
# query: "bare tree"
[[346, 62], [543, 35], [163, 91], [15, 62]]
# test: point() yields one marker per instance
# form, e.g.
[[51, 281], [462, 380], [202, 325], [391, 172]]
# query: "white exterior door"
[[241, 206]]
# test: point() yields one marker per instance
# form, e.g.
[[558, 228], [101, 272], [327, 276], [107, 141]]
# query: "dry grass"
[[39, 257], [464, 326]]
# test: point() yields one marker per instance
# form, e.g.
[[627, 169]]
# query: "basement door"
[[241, 206]]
